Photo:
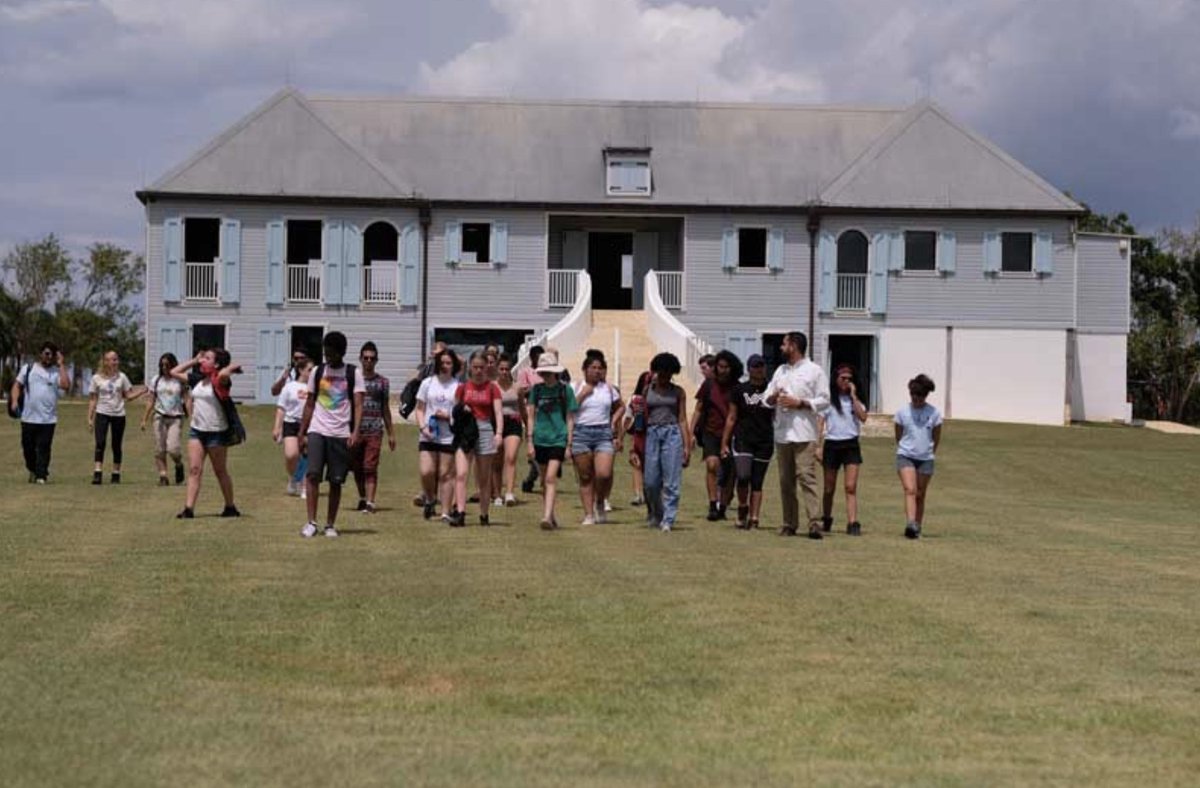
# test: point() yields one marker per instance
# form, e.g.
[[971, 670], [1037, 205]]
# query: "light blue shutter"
[[453, 243], [275, 242], [499, 243], [172, 258], [410, 264], [173, 338], [332, 279], [775, 249], [827, 259], [729, 249], [880, 254], [897, 250], [947, 252], [1043, 253], [271, 358], [879, 278], [352, 258], [992, 253], [231, 256]]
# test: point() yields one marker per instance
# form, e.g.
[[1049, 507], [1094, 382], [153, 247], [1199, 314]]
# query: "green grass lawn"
[[1047, 630]]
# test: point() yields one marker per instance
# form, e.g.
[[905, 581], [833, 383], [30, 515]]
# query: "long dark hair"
[[735, 366], [835, 394], [172, 362]]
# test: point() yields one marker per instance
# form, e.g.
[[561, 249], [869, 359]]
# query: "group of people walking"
[[332, 418]]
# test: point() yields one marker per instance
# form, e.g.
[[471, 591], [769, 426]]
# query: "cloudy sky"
[[100, 97]]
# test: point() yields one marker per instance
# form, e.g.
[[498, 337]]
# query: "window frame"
[[1028, 274], [922, 272], [627, 157], [871, 252], [199, 321], [462, 237], [217, 262], [321, 220]]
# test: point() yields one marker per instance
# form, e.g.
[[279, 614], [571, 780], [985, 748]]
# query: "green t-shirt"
[[552, 404]]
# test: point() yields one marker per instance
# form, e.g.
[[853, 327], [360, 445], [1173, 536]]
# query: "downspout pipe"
[[814, 226], [425, 216]]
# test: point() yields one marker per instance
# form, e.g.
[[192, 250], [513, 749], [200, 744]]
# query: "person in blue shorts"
[[918, 433]]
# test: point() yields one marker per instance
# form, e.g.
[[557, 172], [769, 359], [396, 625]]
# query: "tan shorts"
[[166, 435]]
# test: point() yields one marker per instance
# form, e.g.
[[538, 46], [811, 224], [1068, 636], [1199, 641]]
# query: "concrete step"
[[636, 346]]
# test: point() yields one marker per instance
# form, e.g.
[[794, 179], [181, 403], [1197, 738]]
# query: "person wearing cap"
[[798, 391], [749, 440], [550, 422]]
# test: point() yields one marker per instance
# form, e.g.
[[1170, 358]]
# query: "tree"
[[41, 271], [103, 317]]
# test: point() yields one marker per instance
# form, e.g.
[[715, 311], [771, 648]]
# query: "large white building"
[[898, 239]]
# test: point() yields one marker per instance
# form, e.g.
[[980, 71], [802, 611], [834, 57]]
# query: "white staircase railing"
[[670, 289], [670, 335], [562, 287], [570, 332]]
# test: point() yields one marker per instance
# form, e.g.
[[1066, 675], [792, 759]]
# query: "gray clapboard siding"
[[396, 330], [1103, 294]]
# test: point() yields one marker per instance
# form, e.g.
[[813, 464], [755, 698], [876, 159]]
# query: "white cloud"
[[1186, 124], [616, 49], [38, 10]]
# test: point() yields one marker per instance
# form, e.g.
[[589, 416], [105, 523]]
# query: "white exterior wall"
[[903, 354], [1009, 375], [1098, 385]]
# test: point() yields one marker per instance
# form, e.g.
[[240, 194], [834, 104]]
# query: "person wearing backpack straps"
[[550, 422], [330, 428], [168, 406], [38, 387], [210, 435], [708, 425]]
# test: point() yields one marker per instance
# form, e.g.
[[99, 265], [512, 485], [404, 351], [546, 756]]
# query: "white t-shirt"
[[438, 396], [291, 401], [110, 393], [596, 410], [916, 435], [806, 381], [41, 394], [168, 395], [208, 415], [841, 426], [331, 417]]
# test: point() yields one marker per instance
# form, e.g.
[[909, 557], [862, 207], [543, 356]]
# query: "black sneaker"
[[362, 505], [713, 514], [429, 509], [230, 511], [527, 487], [179, 473], [474, 498], [912, 531], [826, 524], [97, 477], [721, 512], [854, 529], [186, 514], [163, 482], [787, 530], [814, 532], [115, 478], [457, 519], [484, 520]]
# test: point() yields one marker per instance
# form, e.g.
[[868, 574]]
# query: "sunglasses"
[[369, 358]]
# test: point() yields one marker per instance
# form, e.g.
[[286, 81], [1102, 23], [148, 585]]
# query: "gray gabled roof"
[[720, 155]]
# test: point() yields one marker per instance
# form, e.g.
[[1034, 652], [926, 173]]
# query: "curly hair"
[[665, 362]]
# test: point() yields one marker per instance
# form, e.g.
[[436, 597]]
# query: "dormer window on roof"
[[627, 172]]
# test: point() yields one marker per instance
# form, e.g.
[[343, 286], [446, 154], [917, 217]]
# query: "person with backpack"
[[289, 410], [408, 406], [435, 408], [168, 406], [596, 436], [330, 429], [213, 428], [34, 400], [106, 411], [483, 403], [550, 419], [708, 425], [376, 419]]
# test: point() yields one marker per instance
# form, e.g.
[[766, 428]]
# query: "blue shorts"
[[210, 440], [923, 467], [592, 439]]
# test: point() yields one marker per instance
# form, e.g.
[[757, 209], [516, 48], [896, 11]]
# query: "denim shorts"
[[210, 440], [923, 467], [592, 439]]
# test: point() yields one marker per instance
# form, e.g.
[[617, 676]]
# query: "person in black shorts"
[[840, 428], [708, 425], [749, 439]]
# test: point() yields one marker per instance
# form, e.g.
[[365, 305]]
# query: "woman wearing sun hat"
[[550, 410]]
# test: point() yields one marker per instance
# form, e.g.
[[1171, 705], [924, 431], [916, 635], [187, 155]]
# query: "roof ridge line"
[[366, 158], [506, 100], [873, 151]]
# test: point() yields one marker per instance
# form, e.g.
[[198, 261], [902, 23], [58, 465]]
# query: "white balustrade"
[[304, 283], [852, 292], [572, 330], [200, 281], [561, 288], [670, 335], [670, 288], [381, 282]]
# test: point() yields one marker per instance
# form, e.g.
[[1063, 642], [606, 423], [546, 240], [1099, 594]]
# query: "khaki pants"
[[798, 463], [166, 436]]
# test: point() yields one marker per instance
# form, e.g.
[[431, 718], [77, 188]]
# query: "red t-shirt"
[[479, 398], [718, 406]]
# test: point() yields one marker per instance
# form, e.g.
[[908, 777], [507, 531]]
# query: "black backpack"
[[408, 397], [16, 409]]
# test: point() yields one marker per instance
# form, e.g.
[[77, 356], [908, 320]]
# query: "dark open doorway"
[[605, 252], [308, 339], [858, 352]]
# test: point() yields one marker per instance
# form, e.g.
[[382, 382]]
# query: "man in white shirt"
[[42, 385], [798, 391]]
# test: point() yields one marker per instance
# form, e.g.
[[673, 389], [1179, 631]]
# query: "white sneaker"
[[330, 531], [588, 521], [607, 505], [291, 489], [665, 528], [601, 515], [303, 491], [497, 501], [510, 500], [309, 530]]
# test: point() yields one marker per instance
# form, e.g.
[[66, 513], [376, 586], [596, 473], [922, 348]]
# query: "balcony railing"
[[381, 282], [560, 287], [670, 288], [852, 292], [200, 281], [304, 283]]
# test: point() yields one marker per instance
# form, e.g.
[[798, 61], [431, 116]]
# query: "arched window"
[[381, 246], [381, 242], [852, 271]]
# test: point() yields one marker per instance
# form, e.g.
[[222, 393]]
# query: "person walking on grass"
[[168, 405], [289, 411], [435, 407], [482, 400], [550, 419], [798, 391], [749, 440], [40, 384], [208, 378], [918, 434], [840, 427], [708, 425], [635, 427], [426, 370], [110, 390], [330, 429], [595, 437], [668, 442], [376, 420], [526, 380], [512, 405]]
